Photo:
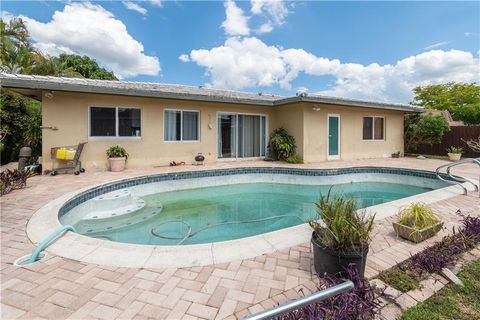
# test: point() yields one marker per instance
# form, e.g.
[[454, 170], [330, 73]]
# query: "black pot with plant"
[[341, 236]]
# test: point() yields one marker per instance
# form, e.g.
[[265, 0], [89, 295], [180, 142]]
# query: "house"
[[159, 123]]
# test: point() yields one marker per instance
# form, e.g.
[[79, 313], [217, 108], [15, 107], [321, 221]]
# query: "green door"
[[333, 137]]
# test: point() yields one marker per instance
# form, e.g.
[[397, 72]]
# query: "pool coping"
[[103, 252]]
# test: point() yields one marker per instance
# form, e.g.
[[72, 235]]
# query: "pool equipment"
[[189, 233], [45, 243]]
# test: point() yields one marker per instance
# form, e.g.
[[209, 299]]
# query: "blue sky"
[[369, 50]]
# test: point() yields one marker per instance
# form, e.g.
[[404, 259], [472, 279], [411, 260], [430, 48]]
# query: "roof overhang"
[[32, 86]]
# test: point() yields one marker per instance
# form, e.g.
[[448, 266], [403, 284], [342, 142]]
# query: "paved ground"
[[57, 288]]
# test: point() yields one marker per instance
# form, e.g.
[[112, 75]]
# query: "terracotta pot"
[[117, 164], [409, 233], [454, 156]]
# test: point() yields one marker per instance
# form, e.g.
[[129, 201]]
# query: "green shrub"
[[117, 152], [418, 216], [342, 227], [462, 100], [424, 129], [455, 150], [295, 159], [281, 145]]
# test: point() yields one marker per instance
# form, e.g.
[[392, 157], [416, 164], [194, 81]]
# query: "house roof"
[[32, 85]]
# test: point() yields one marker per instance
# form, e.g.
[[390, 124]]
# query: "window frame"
[[181, 125], [237, 158], [116, 136], [373, 128]]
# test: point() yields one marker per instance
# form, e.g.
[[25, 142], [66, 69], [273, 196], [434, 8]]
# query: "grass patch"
[[401, 280], [452, 302]]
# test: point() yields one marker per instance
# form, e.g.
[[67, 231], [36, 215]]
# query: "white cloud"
[[472, 34], [236, 23], [184, 58], [265, 28], [158, 3], [395, 82], [275, 11], [301, 89], [6, 16], [89, 29], [435, 45], [248, 62], [135, 7]]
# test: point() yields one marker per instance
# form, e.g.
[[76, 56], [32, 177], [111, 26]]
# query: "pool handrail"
[[296, 304], [458, 180], [45, 243]]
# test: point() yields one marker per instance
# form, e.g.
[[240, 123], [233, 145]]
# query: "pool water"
[[236, 211]]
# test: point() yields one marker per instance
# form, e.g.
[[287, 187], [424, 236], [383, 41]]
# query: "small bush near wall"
[[282, 146]]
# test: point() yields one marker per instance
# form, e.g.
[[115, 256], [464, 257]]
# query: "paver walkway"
[[58, 288]]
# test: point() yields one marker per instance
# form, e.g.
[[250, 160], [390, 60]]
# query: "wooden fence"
[[454, 138]]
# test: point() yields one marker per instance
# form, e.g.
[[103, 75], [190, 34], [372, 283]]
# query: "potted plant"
[[117, 156], [454, 153], [417, 223], [341, 236]]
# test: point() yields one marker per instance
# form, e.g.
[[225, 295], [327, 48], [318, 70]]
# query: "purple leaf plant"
[[433, 259], [361, 302]]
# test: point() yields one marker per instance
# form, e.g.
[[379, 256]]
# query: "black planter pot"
[[333, 262]]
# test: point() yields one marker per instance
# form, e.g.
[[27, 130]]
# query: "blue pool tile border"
[[131, 182]]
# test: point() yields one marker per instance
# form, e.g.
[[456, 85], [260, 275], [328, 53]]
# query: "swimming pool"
[[211, 206]]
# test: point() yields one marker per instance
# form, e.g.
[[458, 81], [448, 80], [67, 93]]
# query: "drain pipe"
[[46, 242]]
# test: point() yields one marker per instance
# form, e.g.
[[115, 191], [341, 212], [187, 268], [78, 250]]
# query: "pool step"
[[113, 204], [109, 223], [113, 200], [135, 204]]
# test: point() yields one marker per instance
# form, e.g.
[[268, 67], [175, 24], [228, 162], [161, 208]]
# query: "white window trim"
[[373, 129], [181, 126], [116, 137], [334, 115], [236, 158]]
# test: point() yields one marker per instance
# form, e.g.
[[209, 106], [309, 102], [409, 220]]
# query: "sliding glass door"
[[227, 136], [241, 135]]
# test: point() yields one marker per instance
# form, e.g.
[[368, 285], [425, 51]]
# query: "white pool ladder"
[[458, 180]]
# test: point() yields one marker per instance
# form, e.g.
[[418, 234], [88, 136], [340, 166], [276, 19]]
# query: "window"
[[179, 125], [241, 135], [115, 122], [373, 128]]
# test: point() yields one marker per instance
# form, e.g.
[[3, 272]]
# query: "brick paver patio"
[[58, 288]]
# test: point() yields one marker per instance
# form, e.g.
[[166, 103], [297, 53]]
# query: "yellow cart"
[[69, 158]]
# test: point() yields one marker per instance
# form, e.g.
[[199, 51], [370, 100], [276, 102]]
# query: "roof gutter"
[[85, 86]]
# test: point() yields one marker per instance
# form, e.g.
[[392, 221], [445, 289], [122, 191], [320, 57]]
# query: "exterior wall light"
[[49, 94], [315, 108]]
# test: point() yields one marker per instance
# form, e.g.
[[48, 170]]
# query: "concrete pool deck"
[[57, 287]]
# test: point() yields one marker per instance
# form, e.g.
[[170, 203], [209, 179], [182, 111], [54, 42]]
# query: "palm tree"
[[16, 52]]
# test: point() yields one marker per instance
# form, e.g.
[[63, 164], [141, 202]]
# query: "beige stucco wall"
[[69, 112], [291, 118], [352, 145]]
